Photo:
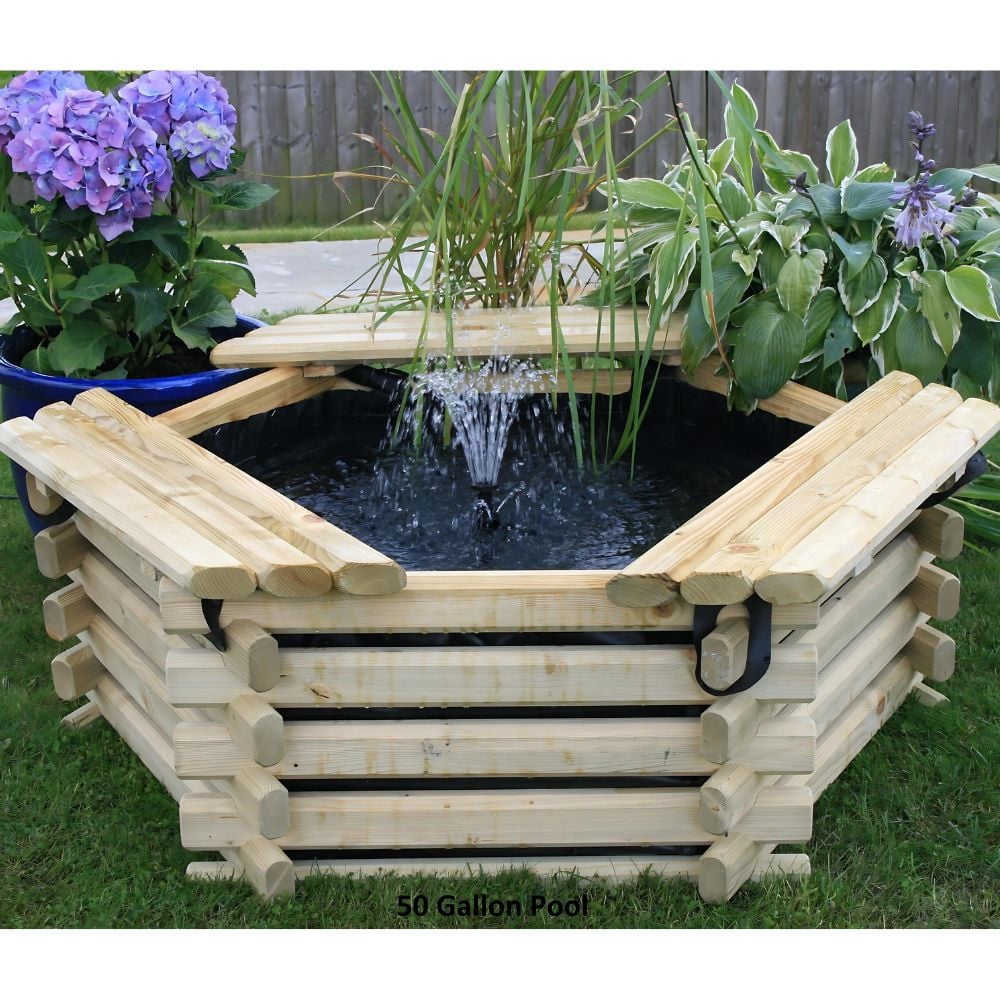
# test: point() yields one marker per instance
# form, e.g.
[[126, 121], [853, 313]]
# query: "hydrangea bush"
[[794, 279], [105, 263]]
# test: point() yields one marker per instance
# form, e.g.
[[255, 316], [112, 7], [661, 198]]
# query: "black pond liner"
[[250, 443]]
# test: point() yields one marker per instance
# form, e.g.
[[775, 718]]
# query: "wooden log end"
[[727, 796], [67, 612], [262, 801], [928, 697], [939, 530], [793, 588], [371, 579], [83, 716], [222, 582], [252, 655], [268, 869], [718, 588], [641, 590], [75, 672], [936, 592], [257, 727], [932, 653], [295, 581], [42, 499], [724, 653], [725, 866], [60, 549]]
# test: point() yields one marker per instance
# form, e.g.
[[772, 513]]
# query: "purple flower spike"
[[190, 112]]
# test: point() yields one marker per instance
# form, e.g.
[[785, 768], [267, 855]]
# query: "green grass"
[[907, 837], [354, 231]]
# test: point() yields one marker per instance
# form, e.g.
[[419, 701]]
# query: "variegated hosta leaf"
[[741, 119], [841, 152], [877, 317], [720, 157], [840, 338], [699, 339], [876, 172], [940, 310], [917, 350], [746, 261], [671, 265], [648, 192], [859, 291], [787, 234], [973, 355], [733, 200], [772, 260], [769, 348], [799, 280], [819, 319], [970, 288]]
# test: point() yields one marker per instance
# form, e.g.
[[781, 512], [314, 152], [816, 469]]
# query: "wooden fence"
[[296, 123]]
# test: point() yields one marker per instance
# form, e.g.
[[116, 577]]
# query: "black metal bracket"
[[706, 617], [212, 610], [974, 468]]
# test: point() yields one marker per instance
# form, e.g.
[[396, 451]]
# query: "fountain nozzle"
[[486, 513]]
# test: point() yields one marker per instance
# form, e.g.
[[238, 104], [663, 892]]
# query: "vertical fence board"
[[304, 123]]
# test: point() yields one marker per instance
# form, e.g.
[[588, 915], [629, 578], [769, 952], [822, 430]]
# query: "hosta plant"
[[820, 265], [103, 196]]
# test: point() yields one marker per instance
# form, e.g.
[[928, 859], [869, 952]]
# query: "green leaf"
[[864, 200], [769, 348], [772, 260], [971, 289], [25, 260], [721, 157], [952, 179], [876, 172], [670, 266], [983, 243], [940, 310], [877, 317], [856, 254], [799, 281], [973, 354], [100, 281], [988, 171], [782, 166], [741, 120], [840, 338], [151, 305], [859, 291], [787, 234], [82, 346], [230, 279], [650, 193], [733, 199], [827, 200], [841, 152], [917, 350], [38, 361], [818, 320], [242, 195], [206, 311], [730, 284], [10, 228]]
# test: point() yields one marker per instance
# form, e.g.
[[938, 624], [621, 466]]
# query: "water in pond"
[[425, 510]]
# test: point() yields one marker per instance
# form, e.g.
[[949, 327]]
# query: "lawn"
[[908, 837]]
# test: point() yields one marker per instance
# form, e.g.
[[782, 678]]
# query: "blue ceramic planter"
[[23, 392]]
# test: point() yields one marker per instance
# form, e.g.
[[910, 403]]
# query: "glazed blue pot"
[[23, 392]]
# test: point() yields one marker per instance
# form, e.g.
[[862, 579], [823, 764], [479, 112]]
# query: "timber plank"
[[655, 577]]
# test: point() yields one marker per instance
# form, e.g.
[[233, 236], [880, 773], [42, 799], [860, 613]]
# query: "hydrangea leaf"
[[100, 281], [770, 346], [841, 152], [867, 200], [941, 311], [859, 291], [971, 289], [243, 195], [10, 228], [916, 348], [25, 260], [151, 307], [82, 346], [877, 317], [799, 280]]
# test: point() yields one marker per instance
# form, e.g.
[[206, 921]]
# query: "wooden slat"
[[537, 601], [355, 567], [927, 696], [279, 568], [130, 564], [90, 712], [655, 577], [348, 338], [149, 528], [826, 556], [728, 575], [792, 401], [42, 498], [258, 394], [507, 818], [452, 676]]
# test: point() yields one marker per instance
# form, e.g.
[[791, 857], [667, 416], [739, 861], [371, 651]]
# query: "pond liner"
[[253, 441]]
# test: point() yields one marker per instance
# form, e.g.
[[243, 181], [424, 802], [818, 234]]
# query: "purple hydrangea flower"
[[190, 112], [90, 149], [25, 96]]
